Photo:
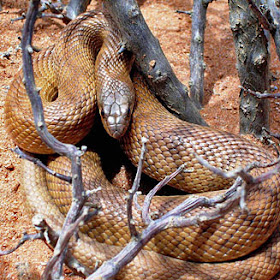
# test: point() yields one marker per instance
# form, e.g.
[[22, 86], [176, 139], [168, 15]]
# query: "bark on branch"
[[197, 64], [76, 7]]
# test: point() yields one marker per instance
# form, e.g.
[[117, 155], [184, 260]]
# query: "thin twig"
[[38, 162], [243, 172], [26, 237], [134, 189], [184, 12], [261, 95], [148, 199], [50, 15], [275, 135]]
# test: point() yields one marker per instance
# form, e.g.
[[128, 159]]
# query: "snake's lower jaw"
[[117, 135]]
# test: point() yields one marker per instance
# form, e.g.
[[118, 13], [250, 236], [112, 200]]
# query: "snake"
[[87, 71]]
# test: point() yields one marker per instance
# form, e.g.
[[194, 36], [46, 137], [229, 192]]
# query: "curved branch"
[[72, 152]]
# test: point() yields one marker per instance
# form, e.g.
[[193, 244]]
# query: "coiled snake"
[[241, 245]]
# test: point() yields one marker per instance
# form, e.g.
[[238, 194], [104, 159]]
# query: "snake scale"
[[241, 245]]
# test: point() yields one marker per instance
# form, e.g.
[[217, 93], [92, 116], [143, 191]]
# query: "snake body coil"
[[241, 245]]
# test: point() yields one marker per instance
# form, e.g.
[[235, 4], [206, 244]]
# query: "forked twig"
[[38, 162], [51, 237], [148, 199], [55, 264], [243, 172], [132, 192]]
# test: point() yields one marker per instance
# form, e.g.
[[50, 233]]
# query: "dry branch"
[[55, 264], [70, 151], [76, 7], [132, 197], [261, 95], [38, 162]]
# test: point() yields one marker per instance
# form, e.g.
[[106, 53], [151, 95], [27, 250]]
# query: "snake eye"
[[102, 113]]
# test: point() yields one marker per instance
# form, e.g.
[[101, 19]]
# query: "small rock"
[[9, 165], [16, 187]]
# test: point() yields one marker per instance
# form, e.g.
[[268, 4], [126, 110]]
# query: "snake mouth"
[[117, 134]]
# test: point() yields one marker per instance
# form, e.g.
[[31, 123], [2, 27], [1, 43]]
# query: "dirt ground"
[[173, 31]]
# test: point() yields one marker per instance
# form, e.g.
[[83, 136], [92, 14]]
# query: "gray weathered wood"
[[252, 65]]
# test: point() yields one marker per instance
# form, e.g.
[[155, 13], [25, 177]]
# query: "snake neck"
[[115, 91]]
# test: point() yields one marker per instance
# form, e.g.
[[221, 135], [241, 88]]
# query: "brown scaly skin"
[[69, 101], [171, 142]]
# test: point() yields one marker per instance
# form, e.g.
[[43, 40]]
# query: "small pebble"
[[9, 165]]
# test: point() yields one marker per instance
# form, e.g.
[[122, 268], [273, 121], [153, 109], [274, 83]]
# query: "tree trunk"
[[252, 65], [150, 59]]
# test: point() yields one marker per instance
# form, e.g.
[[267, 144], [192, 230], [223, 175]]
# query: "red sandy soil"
[[173, 31]]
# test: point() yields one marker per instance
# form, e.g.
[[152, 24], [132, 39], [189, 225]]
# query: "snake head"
[[115, 102]]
